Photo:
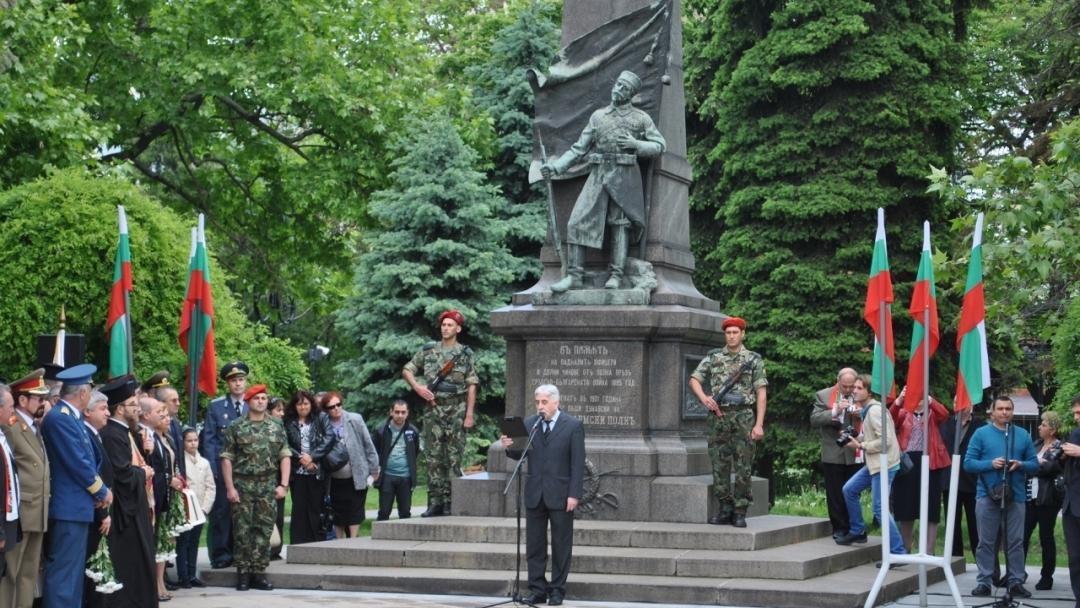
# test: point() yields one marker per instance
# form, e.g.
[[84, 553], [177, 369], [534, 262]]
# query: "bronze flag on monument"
[[580, 78]]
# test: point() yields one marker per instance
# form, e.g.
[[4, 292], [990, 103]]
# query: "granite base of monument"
[[624, 371]]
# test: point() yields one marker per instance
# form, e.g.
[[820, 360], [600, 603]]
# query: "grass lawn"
[[810, 502], [372, 503]]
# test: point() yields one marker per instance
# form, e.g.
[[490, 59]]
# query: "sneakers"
[[981, 591], [1018, 590], [850, 538]]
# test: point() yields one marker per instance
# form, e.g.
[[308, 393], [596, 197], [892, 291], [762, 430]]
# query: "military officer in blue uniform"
[[221, 413], [76, 489]]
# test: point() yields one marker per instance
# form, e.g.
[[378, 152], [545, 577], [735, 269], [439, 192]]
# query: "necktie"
[[236, 404], [547, 426]]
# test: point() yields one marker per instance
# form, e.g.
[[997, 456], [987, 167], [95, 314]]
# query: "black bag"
[[995, 493], [337, 458], [326, 513], [905, 464], [1059, 490]]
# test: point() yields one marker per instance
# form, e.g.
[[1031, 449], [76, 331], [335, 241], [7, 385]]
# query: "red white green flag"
[[878, 308], [973, 377], [925, 334], [118, 326], [197, 318]]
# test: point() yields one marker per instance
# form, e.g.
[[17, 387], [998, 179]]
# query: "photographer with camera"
[[835, 410], [997, 452], [874, 424], [1044, 497], [1070, 509]]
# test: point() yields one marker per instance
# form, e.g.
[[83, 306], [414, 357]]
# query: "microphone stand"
[[1006, 600], [515, 595]]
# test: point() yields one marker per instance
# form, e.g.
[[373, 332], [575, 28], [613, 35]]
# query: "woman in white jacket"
[[201, 481]]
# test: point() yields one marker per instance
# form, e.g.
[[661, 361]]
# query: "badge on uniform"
[[64, 411], [225, 416]]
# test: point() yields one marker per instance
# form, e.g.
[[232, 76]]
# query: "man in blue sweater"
[[1000, 454]]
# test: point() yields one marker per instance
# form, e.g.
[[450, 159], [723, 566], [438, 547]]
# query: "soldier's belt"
[[618, 159], [736, 400], [255, 476], [445, 387]]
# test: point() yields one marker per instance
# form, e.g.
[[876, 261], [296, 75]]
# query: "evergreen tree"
[[807, 117], [502, 90], [440, 244]]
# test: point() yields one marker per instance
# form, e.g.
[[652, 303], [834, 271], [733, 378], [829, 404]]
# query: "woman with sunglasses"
[[349, 484]]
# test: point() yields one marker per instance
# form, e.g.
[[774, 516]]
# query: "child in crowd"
[[201, 481]]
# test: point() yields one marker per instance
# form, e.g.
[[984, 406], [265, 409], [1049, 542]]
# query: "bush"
[[57, 248]]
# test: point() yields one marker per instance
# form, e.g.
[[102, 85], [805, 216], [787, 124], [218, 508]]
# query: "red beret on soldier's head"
[[733, 322], [255, 390], [454, 316]]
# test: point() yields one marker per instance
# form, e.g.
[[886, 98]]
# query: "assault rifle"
[[436, 384], [722, 395]]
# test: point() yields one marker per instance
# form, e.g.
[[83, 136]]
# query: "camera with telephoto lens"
[[1055, 452], [845, 436]]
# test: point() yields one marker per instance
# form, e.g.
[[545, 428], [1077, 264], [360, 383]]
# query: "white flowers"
[[99, 569]]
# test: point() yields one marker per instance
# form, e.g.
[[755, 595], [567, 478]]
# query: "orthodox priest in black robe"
[[131, 536]]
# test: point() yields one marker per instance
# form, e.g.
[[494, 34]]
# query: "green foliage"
[[439, 245], [1066, 352], [43, 123], [806, 117], [1031, 251], [479, 439], [57, 248]]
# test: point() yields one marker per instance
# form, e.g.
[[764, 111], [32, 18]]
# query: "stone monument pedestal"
[[624, 371]]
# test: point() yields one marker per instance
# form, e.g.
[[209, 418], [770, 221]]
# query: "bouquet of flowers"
[[173, 521], [100, 570]]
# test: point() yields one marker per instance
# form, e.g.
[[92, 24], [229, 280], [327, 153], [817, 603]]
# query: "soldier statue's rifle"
[[722, 395], [436, 385], [556, 238]]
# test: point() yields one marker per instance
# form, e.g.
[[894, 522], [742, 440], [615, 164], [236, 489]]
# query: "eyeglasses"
[[333, 406]]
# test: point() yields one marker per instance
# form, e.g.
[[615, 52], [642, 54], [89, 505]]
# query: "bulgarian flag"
[[118, 327], [974, 374], [925, 334], [197, 318], [879, 297]]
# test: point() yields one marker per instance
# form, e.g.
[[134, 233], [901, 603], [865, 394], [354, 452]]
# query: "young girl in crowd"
[[201, 481]]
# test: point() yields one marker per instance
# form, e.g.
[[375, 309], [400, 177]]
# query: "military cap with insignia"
[[31, 384], [234, 369], [80, 374], [158, 380]]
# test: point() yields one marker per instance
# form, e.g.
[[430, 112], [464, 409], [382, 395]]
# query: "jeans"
[[187, 553], [392, 488], [853, 488], [988, 514]]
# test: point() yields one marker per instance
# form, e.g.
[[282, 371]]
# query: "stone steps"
[[844, 589], [761, 532]]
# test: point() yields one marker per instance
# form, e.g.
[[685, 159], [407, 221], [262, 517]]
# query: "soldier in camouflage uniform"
[[255, 452], [737, 423], [452, 401]]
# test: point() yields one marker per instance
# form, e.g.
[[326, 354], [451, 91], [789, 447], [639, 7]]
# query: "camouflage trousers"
[[731, 450], [444, 443], [253, 522]]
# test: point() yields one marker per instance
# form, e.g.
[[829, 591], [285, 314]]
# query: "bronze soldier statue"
[[611, 144]]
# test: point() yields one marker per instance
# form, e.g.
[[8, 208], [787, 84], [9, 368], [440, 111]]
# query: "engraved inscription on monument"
[[599, 381]]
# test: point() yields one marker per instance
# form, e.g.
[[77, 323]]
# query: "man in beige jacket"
[[869, 476], [24, 437]]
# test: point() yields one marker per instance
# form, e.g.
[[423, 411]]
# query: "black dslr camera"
[[1054, 452], [845, 436]]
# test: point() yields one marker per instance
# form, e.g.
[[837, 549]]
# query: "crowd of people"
[[1009, 484]]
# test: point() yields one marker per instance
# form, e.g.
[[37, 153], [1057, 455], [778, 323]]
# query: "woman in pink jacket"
[[907, 489]]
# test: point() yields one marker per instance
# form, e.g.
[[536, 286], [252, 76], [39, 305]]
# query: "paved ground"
[[220, 597]]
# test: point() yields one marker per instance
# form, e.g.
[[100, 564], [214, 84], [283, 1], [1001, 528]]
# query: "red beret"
[[255, 390], [454, 316], [733, 322]]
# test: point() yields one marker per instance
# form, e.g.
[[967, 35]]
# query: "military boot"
[[574, 269], [243, 580], [258, 581], [619, 244]]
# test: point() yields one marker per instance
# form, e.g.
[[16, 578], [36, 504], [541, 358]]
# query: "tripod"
[[515, 595], [1006, 600]]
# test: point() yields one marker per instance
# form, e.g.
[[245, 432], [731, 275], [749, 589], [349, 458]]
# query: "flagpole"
[[193, 354], [924, 489]]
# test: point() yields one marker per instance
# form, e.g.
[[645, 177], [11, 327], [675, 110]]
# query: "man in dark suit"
[[1070, 511], [9, 485], [95, 417], [553, 488]]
